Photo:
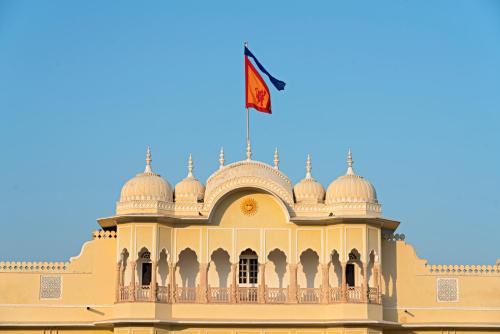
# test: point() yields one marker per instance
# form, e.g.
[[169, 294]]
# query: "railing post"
[[262, 283], [153, 281], [344, 282], [118, 280], [325, 282], [234, 285], [364, 290], [202, 298], [292, 292], [132, 290], [171, 272]]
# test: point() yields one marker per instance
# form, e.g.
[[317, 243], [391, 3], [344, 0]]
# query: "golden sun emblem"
[[248, 206]]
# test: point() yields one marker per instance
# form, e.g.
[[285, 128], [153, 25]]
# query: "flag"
[[257, 92]]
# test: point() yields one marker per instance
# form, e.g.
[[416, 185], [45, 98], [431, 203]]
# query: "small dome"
[[309, 190], [189, 189], [145, 191], [353, 193]]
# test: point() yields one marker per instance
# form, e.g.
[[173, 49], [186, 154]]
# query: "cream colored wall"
[[88, 280], [408, 284]]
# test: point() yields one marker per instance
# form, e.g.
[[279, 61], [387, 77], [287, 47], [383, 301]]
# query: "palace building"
[[248, 252]]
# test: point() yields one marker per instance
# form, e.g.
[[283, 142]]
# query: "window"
[[248, 268], [349, 273], [146, 274]]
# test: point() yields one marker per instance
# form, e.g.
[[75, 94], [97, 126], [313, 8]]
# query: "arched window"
[[145, 269], [349, 274], [248, 268]]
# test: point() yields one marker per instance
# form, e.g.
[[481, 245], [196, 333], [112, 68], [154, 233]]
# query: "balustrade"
[[219, 295], [143, 293], [248, 295], [186, 294], [335, 295], [373, 296], [309, 295], [163, 294], [276, 295], [354, 294]]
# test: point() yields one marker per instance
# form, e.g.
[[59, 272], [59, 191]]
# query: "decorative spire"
[[148, 161], [249, 151], [190, 166], [276, 159], [308, 167], [350, 171], [221, 158]]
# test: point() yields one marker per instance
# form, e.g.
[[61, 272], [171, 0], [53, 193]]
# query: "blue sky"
[[410, 86]]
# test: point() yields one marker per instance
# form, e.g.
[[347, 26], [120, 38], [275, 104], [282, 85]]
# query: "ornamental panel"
[[50, 287], [447, 289]]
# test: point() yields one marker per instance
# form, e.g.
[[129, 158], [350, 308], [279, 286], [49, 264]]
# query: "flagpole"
[[245, 44]]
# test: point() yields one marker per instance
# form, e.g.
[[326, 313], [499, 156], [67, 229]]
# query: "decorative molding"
[[393, 237], [493, 270]]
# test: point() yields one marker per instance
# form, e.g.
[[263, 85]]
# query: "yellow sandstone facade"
[[247, 253]]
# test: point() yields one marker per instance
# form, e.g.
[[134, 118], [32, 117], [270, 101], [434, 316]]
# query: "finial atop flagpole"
[[221, 158], [276, 159], [148, 161]]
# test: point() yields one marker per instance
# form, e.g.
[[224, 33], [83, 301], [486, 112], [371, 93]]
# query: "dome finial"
[[308, 167], [221, 158], [350, 171], [276, 159], [190, 166], [148, 161], [249, 151]]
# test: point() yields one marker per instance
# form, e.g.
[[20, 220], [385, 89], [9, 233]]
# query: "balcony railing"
[[248, 295], [335, 295], [309, 295], [276, 295], [163, 294], [186, 294], [219, 295], [354, 294]]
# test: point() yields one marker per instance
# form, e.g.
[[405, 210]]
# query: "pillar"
[[202, 297], [133, 265], [234, 285], [173, 288], [344, 282], [325, 283], [376, 280], [118, 280], [292, 290], [364, 290], [153, 281], [262, 283]]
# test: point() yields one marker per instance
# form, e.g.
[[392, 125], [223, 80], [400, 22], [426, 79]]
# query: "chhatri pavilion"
[[248, 252]]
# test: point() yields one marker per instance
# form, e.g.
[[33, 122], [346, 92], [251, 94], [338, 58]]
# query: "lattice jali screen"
[[447, 289], [50, 287]]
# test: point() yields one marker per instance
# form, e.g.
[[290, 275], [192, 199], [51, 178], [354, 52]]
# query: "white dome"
[[189, 189], [145, 193], [351, 194], [309, 190]]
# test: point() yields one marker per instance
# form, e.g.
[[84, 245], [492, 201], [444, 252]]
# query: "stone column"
[[344, 282], [133, 265], [173, 288], [364, 290], [234, 283], [118, 280], [376, 280], [262, 283], [292, 290], [202, 297], [325, 282], [153, 281]]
